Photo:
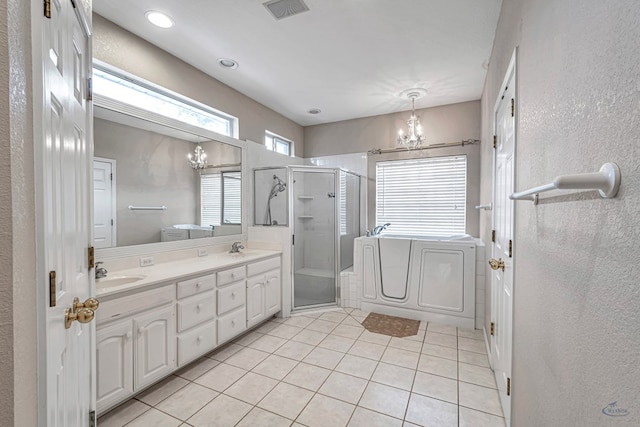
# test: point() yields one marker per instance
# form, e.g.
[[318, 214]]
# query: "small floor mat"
[[391, 325]]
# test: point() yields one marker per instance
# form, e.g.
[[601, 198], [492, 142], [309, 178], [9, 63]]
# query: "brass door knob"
[[83, 312], [90, 303], [496, 264], [83, 315]]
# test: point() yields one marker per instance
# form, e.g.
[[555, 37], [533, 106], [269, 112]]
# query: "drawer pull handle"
[[198, 340], [233, 323], [233, 295], [127, 336], [140, 331], [198, 307], [198, 285]]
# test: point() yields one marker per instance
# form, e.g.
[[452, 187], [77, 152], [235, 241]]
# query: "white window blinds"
[[220, 198], [232, 197], [210, 199], [424, 197]]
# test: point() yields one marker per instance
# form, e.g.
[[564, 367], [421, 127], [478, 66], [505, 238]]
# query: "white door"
[[63, 180], [502, 251], [104, 218]]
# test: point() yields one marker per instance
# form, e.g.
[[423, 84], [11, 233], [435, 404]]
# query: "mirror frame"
[[151, 248]]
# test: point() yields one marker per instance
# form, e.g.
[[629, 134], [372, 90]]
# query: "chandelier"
[[414, 136], [197, 160]]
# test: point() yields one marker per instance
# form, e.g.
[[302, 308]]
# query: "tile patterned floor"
[[326, 370]]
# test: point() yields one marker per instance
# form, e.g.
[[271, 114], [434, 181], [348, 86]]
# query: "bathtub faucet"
[[379, 229]]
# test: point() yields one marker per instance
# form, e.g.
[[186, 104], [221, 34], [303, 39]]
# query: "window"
[[220, 198], [278, 144], [425, 197], [112, 85]]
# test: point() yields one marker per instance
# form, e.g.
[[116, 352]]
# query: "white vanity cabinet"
[[135, 343], [263, 290], [231, 303], [145, 335], [196, 318]]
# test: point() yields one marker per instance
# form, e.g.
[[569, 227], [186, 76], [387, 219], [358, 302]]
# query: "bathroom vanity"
[[154, 320]]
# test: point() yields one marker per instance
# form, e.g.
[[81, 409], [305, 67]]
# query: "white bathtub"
[[424, 278]]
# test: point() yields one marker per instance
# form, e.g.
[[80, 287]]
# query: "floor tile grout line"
[[369, 380]]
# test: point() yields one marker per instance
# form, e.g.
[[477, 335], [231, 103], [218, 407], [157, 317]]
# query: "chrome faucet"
[[235, 247], [379, 229], [100, 271]]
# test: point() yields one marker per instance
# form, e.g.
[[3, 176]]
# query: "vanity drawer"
[[133, 304], [263, 266], [231, 275], [196, 285], [231, 325], [196, 343], [196, 309], [230, 297]]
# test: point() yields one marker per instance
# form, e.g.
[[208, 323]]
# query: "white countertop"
[[169, 271]]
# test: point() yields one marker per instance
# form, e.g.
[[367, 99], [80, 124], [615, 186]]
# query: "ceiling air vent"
[[285, 8]]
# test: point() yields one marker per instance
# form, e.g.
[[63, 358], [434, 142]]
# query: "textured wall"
[[22, 386], [577, 258], [443, 124], [124, 50], [6, 230]]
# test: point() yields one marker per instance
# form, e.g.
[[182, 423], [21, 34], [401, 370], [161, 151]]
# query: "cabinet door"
[[114, 361], [256, 300], [273, 292], [155, 345]]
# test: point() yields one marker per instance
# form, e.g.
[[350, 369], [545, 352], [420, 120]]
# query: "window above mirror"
[[114, 85]]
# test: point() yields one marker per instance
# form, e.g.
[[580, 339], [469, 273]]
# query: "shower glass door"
[[314, 214]]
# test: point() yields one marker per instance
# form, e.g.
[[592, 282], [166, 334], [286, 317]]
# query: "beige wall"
[[18, 339], [577, 258], [6, 232], [122, 49], [444, 124]]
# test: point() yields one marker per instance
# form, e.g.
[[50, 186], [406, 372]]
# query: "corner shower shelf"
[[306, 197], [305, 217]]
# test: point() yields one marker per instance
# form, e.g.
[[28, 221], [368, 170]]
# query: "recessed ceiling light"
[[228, 63], [314, 111], [159, 19]]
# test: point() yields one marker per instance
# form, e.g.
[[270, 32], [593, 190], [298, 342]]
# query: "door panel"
[[114, 354], [273, 292], [155, 346], [103, 203], [63, 197], [503, 222], [255, 300]]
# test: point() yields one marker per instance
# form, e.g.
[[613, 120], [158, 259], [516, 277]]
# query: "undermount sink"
[[117, 281]]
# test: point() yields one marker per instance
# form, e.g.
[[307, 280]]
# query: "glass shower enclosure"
[[321, 208], [314, 213]]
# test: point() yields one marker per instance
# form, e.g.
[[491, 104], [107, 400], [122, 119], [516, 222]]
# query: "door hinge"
[[493, 328], [293, 239], [495, 141], [112, 222], [508, 386], [90, 257], [89, 89], [73, 3], [510, 249], [111, 176], [47, 9], [92, 419], [513, 107], [52, 289], [493, 236]]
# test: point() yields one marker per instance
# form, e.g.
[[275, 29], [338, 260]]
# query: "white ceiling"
[[350, 58]]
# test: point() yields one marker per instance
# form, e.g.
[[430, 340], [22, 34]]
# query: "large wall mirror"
[[147, 192]]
